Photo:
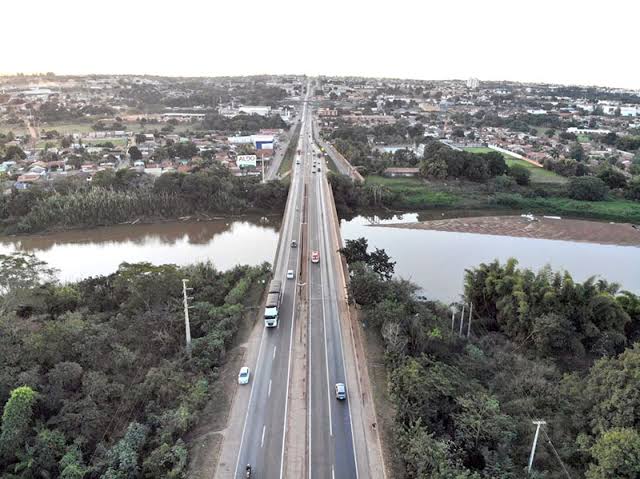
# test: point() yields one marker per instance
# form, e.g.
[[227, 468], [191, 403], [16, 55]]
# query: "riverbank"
[[622, 234], [9, 231], [413, 194]]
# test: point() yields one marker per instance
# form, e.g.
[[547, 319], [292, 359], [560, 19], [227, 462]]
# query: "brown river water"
[[435, 260]]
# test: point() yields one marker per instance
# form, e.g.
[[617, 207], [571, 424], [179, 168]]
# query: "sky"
[[561, 41]]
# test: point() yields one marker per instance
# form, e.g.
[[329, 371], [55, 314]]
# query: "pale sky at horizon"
[[573, 42]]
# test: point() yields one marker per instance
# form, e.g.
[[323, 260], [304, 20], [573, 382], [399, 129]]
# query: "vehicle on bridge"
[[315, 257], [272, 304], [341, 392]]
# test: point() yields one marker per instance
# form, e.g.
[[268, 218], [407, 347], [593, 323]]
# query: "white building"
[[473, 83], [255, 110], [587, 131]]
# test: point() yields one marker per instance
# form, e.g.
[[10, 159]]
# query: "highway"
[[262, 441], [263, 406], [330, 442]]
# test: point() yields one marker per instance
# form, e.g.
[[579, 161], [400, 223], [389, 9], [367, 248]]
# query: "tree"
[[613, 178], [14, 153], [553, 334], [135, 153], [616, 454], [611, 389], [633, 191], [22, 270], [520, 173], [355, 250], [16, 421], [496, 164], [588, 188], [434, 168], [576, 152], [480, 420], [610, 138], [123, 458], [381, 264], [140, 138]]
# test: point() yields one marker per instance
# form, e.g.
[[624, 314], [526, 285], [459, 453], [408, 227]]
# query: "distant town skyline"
[[555, 42]]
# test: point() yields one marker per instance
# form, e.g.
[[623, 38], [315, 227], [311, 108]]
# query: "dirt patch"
[[624, 234], [202, 462], [385, 411]]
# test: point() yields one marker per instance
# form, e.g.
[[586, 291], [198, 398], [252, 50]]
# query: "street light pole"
[[187, 327], [535, 442]]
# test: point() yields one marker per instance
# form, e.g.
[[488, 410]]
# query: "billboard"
[[244, 161], [264, 145]]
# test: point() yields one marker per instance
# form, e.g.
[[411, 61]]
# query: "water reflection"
[[436, 260], [83, 253]]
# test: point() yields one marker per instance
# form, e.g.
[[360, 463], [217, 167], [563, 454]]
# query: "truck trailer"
[[273, 304]]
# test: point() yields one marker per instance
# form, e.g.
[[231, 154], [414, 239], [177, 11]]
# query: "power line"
[[556, 453]]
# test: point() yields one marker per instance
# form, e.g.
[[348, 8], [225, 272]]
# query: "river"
[[83, 253], [436, 260]]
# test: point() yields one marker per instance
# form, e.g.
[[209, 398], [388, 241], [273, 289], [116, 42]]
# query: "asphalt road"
[[262, 443], [330, 437], [330, 433]]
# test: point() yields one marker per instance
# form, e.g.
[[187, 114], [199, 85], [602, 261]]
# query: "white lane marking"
[[344, 372], [246, 417], [264, 428], [309, 353], [333, 473], [269, 393], [275, 348]]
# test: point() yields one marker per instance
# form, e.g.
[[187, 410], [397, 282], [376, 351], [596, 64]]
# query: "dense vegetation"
[[541, 346], [245, 124], [126, 195], [94, 378], [442, 162]]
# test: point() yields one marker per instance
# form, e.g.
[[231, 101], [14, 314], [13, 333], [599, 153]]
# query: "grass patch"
[[614, 210], [65, 128], [538, 174], [584, 138], [413, 192], [17, 130], [290, 153], [94, 141]]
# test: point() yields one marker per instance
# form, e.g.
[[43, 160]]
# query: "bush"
[[503, 183], [587, 188], [633, 192], [521, 174], [613, 178]]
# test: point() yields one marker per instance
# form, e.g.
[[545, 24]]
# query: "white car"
[[243, 376], [290, 274]]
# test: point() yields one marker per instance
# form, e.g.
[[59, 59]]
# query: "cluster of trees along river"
[[126, 195], [541, 347], [94, 378], [95, 382]]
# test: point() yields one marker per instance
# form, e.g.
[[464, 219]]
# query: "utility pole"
[[469, 323], [453, 318], [535, 442], [187, 327], [462, 320]]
